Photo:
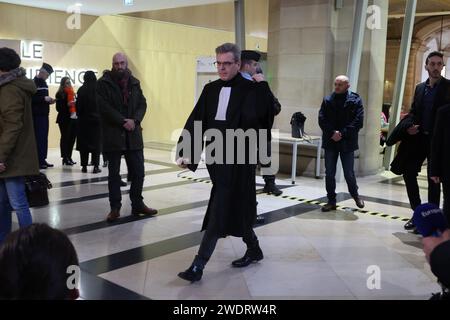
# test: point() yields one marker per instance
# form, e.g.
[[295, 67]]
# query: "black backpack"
[[298, 125], [36, 190]]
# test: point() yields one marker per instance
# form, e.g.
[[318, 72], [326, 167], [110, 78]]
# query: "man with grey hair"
[[122, 106], [340, 118], [229, 103]]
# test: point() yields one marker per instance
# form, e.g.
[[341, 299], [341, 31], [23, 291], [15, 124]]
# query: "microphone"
[[429, 220]]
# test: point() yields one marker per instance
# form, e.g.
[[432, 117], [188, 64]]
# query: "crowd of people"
[[105, 116]]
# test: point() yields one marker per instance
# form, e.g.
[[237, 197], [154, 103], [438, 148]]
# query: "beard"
[[118, 74]]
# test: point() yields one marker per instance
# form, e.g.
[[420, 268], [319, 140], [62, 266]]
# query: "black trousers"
[[84, 157], [412, 187], [68, 131], [136, 174], [268, 178], [210, 238], [41, 126]]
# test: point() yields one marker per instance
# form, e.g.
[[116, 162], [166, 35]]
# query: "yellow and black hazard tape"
[[302, 200]]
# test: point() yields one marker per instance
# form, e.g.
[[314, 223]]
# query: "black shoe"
[[271, 188], [105, 164], [123, 183], [260, 219], [83, 169], [409, 225], [329, 207], [192, 274], [72, 162], [96, 170], [251, 255], [43, 166], [66, 162], [359, 202], [49, 165]]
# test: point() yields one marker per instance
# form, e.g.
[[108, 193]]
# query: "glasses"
[[227, 64]]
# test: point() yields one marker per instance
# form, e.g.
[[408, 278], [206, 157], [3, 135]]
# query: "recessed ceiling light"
[[128, 2], [78, 4]]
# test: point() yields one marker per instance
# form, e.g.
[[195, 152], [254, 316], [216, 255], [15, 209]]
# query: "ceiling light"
[[128, 2], [78, 4]]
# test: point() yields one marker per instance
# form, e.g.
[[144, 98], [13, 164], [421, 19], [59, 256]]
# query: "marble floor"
[[308, 254]]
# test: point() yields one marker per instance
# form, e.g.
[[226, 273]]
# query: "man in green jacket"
[[122, 106], [18, 153]]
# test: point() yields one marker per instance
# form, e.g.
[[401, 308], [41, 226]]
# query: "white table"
[[308, 140]]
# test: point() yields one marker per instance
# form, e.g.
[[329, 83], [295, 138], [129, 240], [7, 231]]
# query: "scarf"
[[123, 84]]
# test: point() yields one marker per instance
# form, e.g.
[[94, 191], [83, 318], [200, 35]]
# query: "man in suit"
[[429, 96]]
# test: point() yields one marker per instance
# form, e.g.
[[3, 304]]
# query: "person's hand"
[[336, 136], [183, 162], [435, 179], [49, 100], [258, 77], [2, 167], [429, 243], [129, 124], [413, 130]]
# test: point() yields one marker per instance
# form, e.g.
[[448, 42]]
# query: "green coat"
[[17, 142], [114, 112]]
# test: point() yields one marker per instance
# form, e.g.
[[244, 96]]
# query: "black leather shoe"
[[192, 274], [123, 183], [43, 166], [271, 188], [49, 165], [96, 170], [72, 162], [84, 169], [251, 255], [329, 207], [409, 225], [105, 164], [359, 202], [67, 162]]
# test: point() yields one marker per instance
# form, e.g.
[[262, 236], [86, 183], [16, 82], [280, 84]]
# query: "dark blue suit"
[[41, 110]]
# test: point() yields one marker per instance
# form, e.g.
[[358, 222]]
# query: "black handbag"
[[298, 125], [36, 190]]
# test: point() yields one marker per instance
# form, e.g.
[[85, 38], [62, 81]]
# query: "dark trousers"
[[68, 131], [84, 157], [412, 188], [136, 173], [211, 237], [268, 178], [347, 160], [41, 124]]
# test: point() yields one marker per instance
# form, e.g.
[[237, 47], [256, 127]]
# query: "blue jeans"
[[13, 197], [347, 160]]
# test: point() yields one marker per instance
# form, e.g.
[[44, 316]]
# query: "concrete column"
[[239, 22]]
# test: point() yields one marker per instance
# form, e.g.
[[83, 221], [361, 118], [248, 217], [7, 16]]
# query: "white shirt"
[[224, 99]]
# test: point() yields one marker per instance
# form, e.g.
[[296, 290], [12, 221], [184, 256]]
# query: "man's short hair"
[[434, 54], [230, 47], [9, 59]]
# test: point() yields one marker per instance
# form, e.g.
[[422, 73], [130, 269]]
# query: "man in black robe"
[[229, 104]]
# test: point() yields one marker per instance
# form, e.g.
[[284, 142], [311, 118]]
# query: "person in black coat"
[[341, 117], [41, 109], [67, 123], [89, 123], [429, 96], [230, 103], [440, 155], [122, 108]]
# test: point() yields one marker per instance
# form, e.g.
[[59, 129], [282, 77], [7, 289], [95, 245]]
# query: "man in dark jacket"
[[429, 96], [122, 106], [229, 104], [41, 109], [18, 154], [440, 155], [250, 71], [340, 118]]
